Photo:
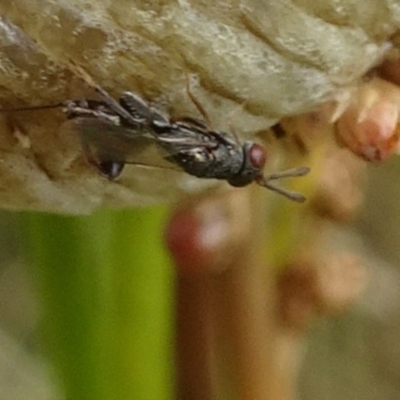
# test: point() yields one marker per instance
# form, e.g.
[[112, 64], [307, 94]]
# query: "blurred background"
[[357, 355], [350, 356]]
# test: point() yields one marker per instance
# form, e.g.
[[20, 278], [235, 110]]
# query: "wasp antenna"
[[294, 196], [265, 181], [6, 110], [289, 173]]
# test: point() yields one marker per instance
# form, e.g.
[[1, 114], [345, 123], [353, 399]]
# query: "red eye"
[[257, 156]]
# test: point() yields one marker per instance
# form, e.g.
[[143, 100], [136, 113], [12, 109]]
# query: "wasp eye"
[[257, 156]]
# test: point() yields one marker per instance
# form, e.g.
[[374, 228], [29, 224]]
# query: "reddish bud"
[[369, 127], [196, 236]]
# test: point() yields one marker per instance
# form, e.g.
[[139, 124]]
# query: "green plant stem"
[[105, 285]]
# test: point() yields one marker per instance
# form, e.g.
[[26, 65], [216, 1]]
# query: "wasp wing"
[[103, 140]]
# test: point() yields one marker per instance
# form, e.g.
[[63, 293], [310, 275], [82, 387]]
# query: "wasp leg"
[[89, 109], [196, 102], [136, 106]]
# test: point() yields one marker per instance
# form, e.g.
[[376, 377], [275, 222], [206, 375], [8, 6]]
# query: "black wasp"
[[115, 133]]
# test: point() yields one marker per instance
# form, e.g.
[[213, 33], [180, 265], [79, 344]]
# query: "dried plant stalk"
[[278, 58]]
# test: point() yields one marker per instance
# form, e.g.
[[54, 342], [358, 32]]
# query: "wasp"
[[114, 133]]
